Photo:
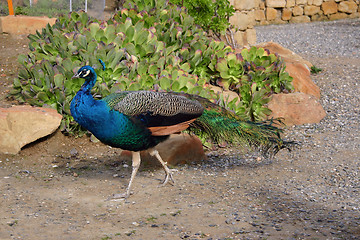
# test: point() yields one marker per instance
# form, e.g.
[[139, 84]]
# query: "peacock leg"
[[167, 170], [135, 167]]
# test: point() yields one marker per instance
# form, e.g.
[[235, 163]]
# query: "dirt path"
[[57, 188]]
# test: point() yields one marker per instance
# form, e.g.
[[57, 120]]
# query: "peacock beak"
[[77, 75]]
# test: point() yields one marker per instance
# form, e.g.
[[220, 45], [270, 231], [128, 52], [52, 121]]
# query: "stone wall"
[[250, 13], [261, 12]]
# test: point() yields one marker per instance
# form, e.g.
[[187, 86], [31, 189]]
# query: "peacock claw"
[[168, 172], [124, 195], [168, 179]]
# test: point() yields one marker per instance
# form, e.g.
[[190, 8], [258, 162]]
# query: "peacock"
[[139, 120]]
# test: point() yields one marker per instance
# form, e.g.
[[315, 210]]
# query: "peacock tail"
[[226, 128], [222, 125]]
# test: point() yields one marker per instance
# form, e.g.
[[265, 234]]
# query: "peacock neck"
[[88, 84], [83, 98]]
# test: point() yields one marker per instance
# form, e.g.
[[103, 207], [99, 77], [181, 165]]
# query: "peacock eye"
[[84, 73]]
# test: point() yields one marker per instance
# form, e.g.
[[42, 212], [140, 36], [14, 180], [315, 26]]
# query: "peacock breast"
[[110, 126]]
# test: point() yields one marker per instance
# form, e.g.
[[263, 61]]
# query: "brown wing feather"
[[167, 130]]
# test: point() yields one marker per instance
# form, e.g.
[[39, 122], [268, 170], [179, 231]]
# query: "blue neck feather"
[[89, 83], [109, 126]]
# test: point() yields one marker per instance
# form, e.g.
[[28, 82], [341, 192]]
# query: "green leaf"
[[130, 48], [222, 66], [59, 80], [140, 37], [67, 64], [42, 96], [165, 83], [94, 28], [130, 34]]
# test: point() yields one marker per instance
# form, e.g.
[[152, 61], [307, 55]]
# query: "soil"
[[57, 188]]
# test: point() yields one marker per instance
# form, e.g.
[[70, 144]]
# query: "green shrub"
[[158, 49], [209, 14]]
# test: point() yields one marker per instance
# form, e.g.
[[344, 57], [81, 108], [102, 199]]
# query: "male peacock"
[[139, 120]]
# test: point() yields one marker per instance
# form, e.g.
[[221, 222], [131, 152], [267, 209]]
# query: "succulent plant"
[[254, 74], [159, 49], [231, 70]]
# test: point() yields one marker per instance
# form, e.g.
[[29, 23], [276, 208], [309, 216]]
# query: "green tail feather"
[[226, 127]]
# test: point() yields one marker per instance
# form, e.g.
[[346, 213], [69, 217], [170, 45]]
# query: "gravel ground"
[[330, 150], [311, 192], [319, 39]]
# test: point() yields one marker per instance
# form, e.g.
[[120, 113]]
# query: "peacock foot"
[[169, 177], [168, 172], [124, 195]]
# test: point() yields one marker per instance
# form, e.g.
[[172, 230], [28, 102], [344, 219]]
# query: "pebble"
[[321, 175], [333, 38]]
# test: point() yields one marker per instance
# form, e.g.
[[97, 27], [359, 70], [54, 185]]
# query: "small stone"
[[74, 152], [12, 223]]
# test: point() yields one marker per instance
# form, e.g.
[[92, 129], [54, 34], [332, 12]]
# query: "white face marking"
[[87, 73]]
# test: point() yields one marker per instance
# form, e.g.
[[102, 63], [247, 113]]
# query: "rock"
[[24, 24], [311, 10], [301, 79], [285, 53], [297, 11], [251, 36], [348, 7], [21, 125], [259, 15], [290, 3], [329, 7], [271, 14], [296, 108], [300, 19], [243, 21], [297, 67], [275, 3], [240, 38], [245, 4], [178, 149], [317, 2], [229, 95], [286, 14], [337, 16]]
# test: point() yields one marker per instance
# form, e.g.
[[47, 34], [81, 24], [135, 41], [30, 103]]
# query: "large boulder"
[[297, 67], [301, 79], [21, 125], [178, 149], [296, 108]]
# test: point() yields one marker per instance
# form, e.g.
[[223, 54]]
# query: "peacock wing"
[[162, 113]]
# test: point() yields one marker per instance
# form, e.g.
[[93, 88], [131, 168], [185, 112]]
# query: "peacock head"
[[86, 72]]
